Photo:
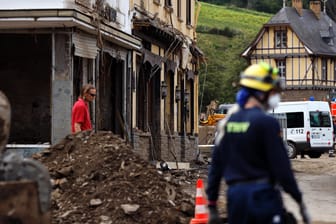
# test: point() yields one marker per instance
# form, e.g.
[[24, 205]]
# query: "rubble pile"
[[97, 178]]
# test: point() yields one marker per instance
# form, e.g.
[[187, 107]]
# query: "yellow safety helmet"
[[262, 77]]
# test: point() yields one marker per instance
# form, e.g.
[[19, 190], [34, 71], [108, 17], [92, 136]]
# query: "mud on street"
[[97, 178], [317, 180]]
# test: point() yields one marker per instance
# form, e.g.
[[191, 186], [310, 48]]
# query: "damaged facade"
[[301, 43], [49, 49], [141, 56], [166, 80]]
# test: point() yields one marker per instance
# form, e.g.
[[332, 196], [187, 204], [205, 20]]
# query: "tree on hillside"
[[219, 79], [239, 3], [259, 5], [251, 3]]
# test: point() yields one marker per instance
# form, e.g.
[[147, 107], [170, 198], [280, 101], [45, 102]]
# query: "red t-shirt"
[[80, 114]]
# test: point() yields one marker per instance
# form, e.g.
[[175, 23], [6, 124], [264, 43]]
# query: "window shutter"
[[85, 45]]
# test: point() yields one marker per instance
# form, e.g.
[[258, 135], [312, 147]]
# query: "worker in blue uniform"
[[250, 154]]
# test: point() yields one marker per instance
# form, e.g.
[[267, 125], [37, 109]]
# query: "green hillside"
[[222, 34]]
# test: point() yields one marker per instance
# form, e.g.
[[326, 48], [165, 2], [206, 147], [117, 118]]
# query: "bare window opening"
[[168, 3], [142, 99], [147, 45], [179, 14], [110, 103], [170, 103], [188, 12]]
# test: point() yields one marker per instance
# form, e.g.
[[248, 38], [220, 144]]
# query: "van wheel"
[[291, 150], [314, 155]]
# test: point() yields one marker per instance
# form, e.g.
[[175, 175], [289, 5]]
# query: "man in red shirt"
[[80, 117]]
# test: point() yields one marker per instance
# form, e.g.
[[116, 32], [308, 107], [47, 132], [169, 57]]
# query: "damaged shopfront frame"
[[45, 63]]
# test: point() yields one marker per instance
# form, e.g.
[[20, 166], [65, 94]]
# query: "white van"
[[309, 127]]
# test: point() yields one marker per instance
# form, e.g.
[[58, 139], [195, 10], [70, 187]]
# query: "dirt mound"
[[98, 179]]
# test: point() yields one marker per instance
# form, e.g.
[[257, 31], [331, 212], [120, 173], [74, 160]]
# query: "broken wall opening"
[[83, 74], [170, 103], [142, 100], [148, 106], [110, 103], [25, 77]]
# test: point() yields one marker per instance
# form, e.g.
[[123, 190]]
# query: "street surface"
[[317, 181]]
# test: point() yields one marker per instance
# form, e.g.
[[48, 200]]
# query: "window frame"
[[319, 119], [324, 69], [281, 65], [168, 3], [280, 38], [296, 120], [188, 12], [179, 7]]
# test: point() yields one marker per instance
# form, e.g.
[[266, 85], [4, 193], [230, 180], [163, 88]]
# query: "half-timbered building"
[[301, 44]]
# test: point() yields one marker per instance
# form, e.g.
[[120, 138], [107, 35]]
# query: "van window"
[[319, 119], [295, 120]]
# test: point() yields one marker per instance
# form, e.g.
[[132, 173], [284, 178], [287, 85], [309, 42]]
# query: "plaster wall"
[[122, 22]]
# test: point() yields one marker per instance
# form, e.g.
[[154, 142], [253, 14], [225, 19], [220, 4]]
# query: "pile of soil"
[[97, 178]]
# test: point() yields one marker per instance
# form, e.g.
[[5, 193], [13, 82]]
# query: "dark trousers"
[[254, 204]]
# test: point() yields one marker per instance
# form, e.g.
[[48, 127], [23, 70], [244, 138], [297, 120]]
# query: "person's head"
[[262, 82], [88, 92]]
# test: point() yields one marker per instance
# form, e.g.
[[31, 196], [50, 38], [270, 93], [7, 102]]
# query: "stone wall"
[[206, 135], [171, 148], [298, 95], [141, 144]]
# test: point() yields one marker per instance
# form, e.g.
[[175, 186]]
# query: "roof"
[[316, 34]]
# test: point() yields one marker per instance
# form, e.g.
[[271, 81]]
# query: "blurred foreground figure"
[[5, 115], [25, 187]]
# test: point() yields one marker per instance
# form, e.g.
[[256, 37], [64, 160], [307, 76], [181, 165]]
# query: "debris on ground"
[[97, 178]]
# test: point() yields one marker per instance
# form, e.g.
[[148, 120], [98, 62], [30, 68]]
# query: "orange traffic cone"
[[201, 211]]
